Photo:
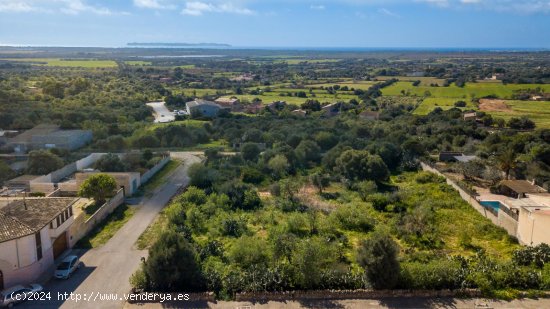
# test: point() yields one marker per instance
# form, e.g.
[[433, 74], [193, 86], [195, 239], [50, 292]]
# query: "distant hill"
[[180, 44]]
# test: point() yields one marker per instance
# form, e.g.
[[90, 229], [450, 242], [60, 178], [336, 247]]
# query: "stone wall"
[[155, 169], [465, 196], [82, 225]]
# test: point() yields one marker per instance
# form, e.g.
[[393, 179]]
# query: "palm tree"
[[507, 161]]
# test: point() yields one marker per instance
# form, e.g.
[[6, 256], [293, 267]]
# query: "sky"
[[279, 23]]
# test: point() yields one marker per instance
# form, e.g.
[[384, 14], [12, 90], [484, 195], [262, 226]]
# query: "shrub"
[[435, 275], [378, 256]]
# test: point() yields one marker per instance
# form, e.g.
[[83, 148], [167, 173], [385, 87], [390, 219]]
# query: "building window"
[[58, 221], [38, 246], [70, 211], [51, 225]]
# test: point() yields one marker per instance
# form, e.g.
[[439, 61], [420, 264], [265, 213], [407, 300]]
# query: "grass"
[[56, 62], [429, 104], [188, 123], [107, 228], [469, 91], [538, 111], [160, 177], [138, 63], [424, 81], [153, 231]]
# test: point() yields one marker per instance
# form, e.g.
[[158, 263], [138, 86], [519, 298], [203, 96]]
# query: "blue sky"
[[279, 23]]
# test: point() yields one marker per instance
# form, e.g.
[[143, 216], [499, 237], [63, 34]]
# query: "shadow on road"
[[60, 290]]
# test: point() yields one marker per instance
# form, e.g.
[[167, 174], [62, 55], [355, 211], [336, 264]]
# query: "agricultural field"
[[469, 91], [538, 111], [73, 63], [424, 81], [429, 104], [138, 63]]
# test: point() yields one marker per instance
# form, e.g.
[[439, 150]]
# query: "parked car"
[[67, 267], [18, 294]]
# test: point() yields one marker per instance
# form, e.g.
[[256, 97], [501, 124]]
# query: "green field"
[[75, 63], [429, 104], [424, 81], [537, 111], [469, 91], [138, 63]]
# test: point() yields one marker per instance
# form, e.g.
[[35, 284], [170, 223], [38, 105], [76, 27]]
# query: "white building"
[[33, 232]]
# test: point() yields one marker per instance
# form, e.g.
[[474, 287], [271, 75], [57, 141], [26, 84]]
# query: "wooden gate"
[[59, 245]]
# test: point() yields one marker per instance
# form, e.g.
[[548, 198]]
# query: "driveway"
[[107, 269], [162, 114]]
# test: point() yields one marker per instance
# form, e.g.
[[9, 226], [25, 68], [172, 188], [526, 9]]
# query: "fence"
[[465, 195], [150, 173], [82, 225]]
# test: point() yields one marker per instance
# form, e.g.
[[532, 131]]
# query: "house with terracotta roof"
[[33, 232]]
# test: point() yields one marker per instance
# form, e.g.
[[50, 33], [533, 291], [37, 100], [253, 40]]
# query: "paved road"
[[406, 303], [107, 269], [162, 114]]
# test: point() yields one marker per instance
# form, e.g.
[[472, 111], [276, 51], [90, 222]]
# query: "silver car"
[[67, 267], [18, 294]]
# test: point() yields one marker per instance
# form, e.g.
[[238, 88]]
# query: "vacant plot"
[[56, 62], [491, 105]]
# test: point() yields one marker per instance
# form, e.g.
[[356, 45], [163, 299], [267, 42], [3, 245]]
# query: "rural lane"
[[107, 268], [162, 114]]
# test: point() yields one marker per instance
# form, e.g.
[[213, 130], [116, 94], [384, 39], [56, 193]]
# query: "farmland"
[[73, 63], [469, 91]]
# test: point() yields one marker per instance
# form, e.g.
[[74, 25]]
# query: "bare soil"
[[493, 105]]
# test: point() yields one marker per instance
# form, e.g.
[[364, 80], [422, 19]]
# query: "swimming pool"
[[492, 204]]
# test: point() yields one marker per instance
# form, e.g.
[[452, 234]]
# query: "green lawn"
[[108, 228], [56, 62]]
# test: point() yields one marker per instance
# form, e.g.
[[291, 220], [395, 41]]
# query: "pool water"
[[493, 204]]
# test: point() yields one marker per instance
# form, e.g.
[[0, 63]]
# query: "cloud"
[[15, 6], [154, 4], [389, 13], [317, 7], [509, 6], [197, 8], [72, 7]]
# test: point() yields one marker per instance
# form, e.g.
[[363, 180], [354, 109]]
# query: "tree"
[[110, 163], [308, 151], [507, 161], [99, 187], [471, 169], [42, 162], [360, 165], [311, 105], [378, 256], [278, 165], [250, 151], [320, 181], [173, 265], [492, 175], [5, 172], [366, 188], [202, 176]]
